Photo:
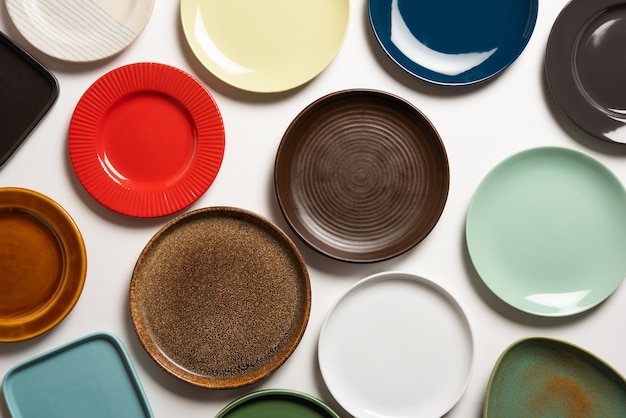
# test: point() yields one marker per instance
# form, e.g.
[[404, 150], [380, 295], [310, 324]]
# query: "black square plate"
[[27, 91]]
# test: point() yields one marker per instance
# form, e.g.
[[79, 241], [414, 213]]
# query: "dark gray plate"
[[586, 66]]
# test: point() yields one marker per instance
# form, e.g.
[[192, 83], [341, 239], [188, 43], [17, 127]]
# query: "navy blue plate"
[[454, 42]]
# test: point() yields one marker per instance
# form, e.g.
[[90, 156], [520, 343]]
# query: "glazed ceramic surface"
[[43, 264], [361, 175], [146, 140], [546, 231], [543, 378], [453, 42], [89, 377], [28, 91], [220, 297], [267, 46], [585, 66], [277, 403], [396, 345], [80, 31]]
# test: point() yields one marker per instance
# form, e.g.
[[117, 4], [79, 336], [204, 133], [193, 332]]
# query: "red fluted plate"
[[146, 140]]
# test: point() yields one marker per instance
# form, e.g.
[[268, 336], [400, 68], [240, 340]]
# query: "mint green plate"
[[546, 231], [277, 403], [546, 378]]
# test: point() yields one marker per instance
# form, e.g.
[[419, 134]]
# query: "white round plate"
[[79, 30], [396, 345]]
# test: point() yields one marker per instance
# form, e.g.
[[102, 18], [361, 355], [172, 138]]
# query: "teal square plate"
[[90, 377]]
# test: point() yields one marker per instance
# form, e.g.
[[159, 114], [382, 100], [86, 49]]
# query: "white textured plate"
[[396, 345], [80, 30]]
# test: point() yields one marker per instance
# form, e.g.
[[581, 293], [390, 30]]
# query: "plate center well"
[[31, 264], [146, 139]]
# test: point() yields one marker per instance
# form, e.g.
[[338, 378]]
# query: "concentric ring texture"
[[361, 175]]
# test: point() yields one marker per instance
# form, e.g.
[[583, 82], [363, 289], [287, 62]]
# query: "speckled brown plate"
[[586, 63], [361, 175], [220, 297], [43, 264]]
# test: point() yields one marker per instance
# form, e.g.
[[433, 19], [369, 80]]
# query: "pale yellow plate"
[[265, 46]]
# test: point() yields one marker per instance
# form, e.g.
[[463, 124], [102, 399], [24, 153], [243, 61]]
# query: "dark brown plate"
[[27, 92], [43, 264], [586, 66], [361, 175], [220, 297]]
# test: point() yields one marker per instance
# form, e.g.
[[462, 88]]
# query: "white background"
[[479, 125]]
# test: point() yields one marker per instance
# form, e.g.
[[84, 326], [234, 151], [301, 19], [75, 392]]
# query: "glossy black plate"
[[27, 91]]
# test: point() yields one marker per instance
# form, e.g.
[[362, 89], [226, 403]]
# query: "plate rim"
[[380, 277], [75, 270], [12, 7], [559, 74], [327, 249], [571, 153], [174, 369], [414, 69], [209, 150], [287, 393], [209, 64]]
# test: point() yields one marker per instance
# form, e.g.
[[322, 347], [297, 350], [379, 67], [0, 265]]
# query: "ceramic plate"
[[146, 140], [546, 231], [277, 403], [220, 297], [542, 377], [78, 30], [396, 345], [453, 42], [89, 377], [43, 264], [265, 46], [28, 91], [585, 66], [361, 175]]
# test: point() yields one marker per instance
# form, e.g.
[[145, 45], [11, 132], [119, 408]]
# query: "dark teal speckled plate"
[[541, 377]]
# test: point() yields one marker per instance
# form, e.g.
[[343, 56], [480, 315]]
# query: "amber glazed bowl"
[[42, 263]]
